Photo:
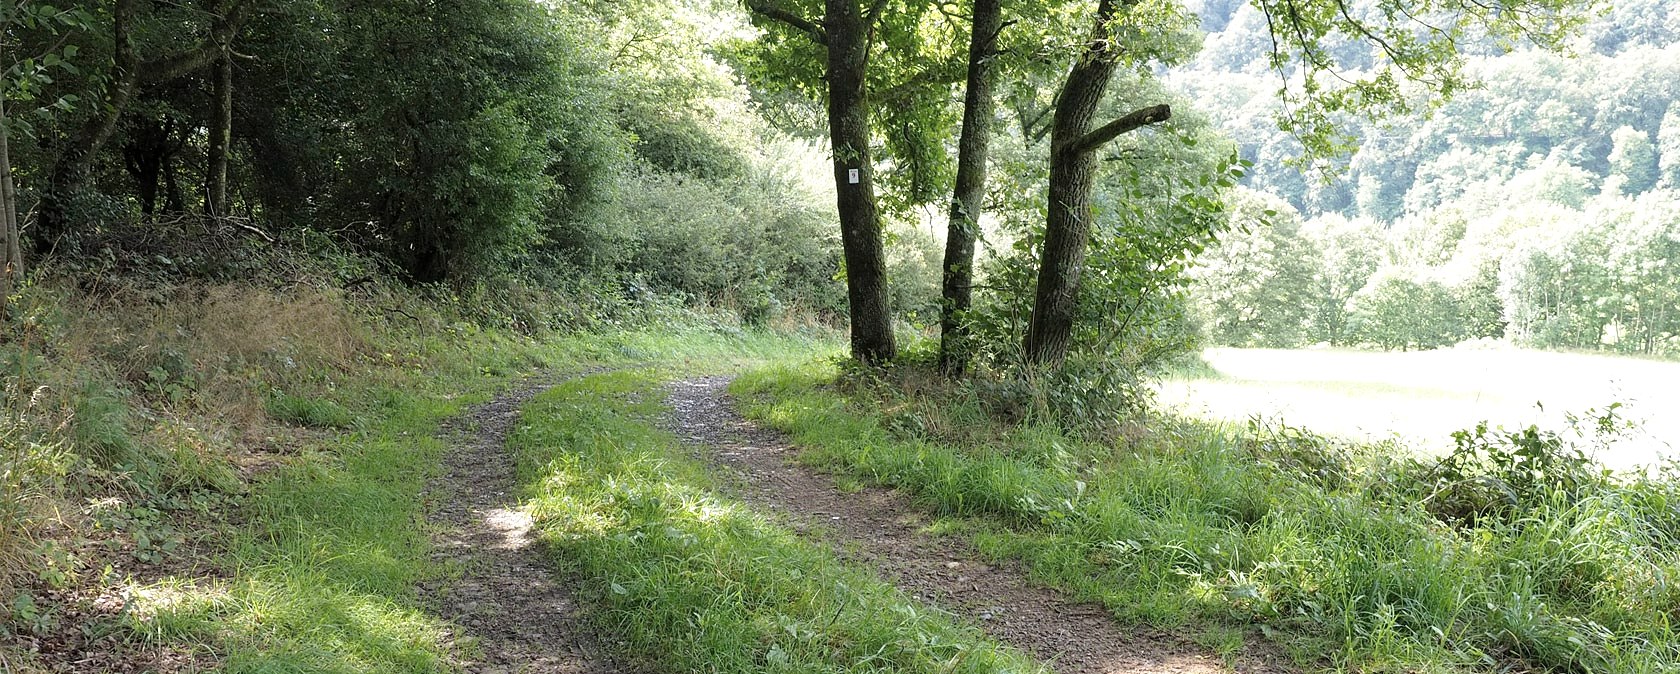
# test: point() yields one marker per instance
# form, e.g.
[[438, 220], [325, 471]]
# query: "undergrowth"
[[690, 581], [227, 474], [1513, 552]]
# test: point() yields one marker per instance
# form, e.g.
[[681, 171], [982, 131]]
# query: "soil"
[[882, 528], [517, 613]]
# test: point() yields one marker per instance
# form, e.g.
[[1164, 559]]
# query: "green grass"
[[1213, 529], [691, 581], [320, 574], [310, 412]]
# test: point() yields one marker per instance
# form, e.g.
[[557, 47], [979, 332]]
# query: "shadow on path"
[[514, 607]]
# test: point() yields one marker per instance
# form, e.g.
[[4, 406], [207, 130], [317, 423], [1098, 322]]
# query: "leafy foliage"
[[1158, 209]]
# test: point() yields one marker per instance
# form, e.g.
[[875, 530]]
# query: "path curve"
[[510, 602], [882, 528]]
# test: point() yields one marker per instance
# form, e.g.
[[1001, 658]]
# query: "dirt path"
[[882, 528], [509, 599]]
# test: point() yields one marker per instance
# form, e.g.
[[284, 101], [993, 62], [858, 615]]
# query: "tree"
[[1643, 254], [1318, 88], [1351, 251], [128, 72], [957, 270], [22, 80], [221, 120], [1256, 286], [1400, 310], [848, 34], [1556, 180], [455, 118], [1073, 168], [1633, 160], [1668, 146]]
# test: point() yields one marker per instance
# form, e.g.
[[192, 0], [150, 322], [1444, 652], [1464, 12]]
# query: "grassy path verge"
[[1225, 535], [881, 529]]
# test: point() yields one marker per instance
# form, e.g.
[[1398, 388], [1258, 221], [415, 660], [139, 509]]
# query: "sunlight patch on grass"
[[1423, 397], [322, 574], [690, 581]]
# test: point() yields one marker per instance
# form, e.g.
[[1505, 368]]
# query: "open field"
[[1424, 396]]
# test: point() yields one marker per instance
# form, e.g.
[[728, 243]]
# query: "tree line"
[[485, 142], [1098, 255]]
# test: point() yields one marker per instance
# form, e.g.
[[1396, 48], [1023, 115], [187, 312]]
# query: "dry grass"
[[140, 391]]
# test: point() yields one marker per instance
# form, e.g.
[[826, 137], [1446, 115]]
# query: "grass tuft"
[[311, 412]]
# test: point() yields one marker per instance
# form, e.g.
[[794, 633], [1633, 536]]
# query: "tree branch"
[[1142, 117], [874, 14], [787, 18], [937, 73], [221, 36]]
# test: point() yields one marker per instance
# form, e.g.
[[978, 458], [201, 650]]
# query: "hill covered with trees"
[[1542, 205]]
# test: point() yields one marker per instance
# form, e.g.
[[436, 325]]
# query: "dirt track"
[[512, 604], [881, 528], [518, 614]]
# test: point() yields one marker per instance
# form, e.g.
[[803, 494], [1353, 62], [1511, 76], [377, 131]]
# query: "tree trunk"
[[967, 201], [144, 156], [11, 252], [70, 173], [1073, 167], [848, 33], [221, 133]]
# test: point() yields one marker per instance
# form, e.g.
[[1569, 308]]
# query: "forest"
[[819, 336]]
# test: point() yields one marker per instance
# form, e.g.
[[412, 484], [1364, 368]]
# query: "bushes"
[[755, 245]]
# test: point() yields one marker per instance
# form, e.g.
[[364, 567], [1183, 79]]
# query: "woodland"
[[604, 335]]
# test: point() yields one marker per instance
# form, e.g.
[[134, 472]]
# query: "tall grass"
[[1331, 550]]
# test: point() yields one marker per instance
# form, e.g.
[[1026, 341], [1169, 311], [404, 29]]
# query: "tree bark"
[[967, 200], [1073, 168], [11, 264], [848, 32], [848, 37], [221, 133]]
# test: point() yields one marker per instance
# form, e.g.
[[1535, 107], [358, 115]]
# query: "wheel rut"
[[516, 613], [882, 528]]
